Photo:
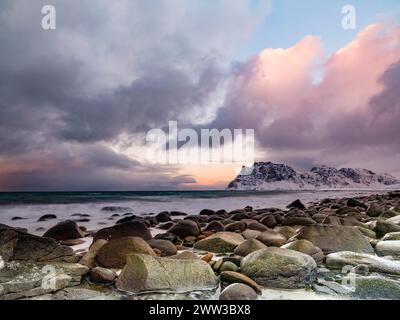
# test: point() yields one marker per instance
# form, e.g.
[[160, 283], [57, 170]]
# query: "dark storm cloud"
[[110, 68]]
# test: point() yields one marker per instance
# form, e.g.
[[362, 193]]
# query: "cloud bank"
[[113, 71]]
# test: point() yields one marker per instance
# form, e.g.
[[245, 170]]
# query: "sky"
[[77, 102]]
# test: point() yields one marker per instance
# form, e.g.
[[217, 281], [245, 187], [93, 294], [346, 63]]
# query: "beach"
[[201, 246]]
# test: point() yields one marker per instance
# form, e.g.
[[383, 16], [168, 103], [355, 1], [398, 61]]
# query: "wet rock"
[[286, 231], [272, 238], [269, 221], [239, 216], [178, 214], [228, 266], [391, 236], [185, 255], [25, 279], [127, 219], [184, 228], [214, 226], [217, 265], [71, 243], [145, 273], [297, 221], [394, 220], [166, 236], [367, 232], [237, 292], [128, 229], [17, 218], [280, 268], [248, 247], [297, 205], [376, 288], [81, 293], [89, 258], [80, 215], [163, 217], [339, 260], [47, 217], [165, 225], [355, 203], [167, 248], [332, 220], [65, 230], [114, 253], [102, 275], [235, 226], [306, 247], [116, 209], [250, 234], [82, 220], [235, 277], [388, 248], [383, 227], [221, 242], [208, 257], [207, 212], [257, 226], [189, 241], [374, 210], [336, 238], [18, 245]]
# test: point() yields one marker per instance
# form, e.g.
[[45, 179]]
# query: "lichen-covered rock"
[[376, 288], [280, 268], [339, 260], [145, 273], [331, 238], [26, 279]]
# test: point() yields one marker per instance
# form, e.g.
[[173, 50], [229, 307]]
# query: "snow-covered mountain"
[[270, 176]]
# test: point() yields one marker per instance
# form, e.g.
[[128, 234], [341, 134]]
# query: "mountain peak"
[[272, 176]]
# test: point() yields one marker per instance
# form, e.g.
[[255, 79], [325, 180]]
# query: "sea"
[[23, 209]]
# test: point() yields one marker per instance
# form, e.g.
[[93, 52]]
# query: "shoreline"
[[315, 238], [31, 213]]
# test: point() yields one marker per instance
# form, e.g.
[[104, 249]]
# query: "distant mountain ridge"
[[271, 176]]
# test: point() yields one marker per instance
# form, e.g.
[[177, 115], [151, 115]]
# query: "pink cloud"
[[296, 118]]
